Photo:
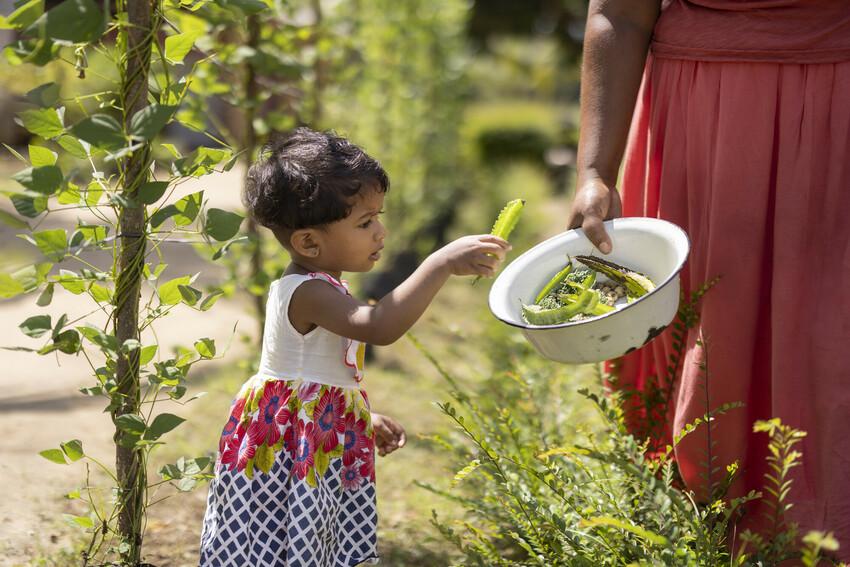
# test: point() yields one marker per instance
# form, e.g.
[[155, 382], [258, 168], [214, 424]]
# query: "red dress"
[[742, 136]]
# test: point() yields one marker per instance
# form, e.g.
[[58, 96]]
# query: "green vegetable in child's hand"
[[636, 283], [505, 222], [507, 219]]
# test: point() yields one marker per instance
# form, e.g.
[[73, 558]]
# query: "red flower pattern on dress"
[[305, 446], [232, 423], [238, 449], [272, 412], [367, 468], [308, 391], [351, 478], [328, 417], [355, 440]]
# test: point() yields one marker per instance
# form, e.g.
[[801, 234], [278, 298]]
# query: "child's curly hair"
[[307, 178]]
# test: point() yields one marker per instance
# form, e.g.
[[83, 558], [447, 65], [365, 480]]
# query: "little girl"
[[295, 475]]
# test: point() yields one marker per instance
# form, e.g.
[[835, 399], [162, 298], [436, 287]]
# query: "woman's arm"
[[318, 303], [616, 41]]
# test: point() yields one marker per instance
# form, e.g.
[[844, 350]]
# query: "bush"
[[542, 488]]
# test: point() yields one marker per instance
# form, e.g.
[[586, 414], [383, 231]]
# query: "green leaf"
[[46, 179], [162, 424], [130, 423], [210, 300], [52, 243], [73, 449], [29, 206], [36, 326], [13, 221], [205, 347], [71, 281], [189, 294], [169, 292], [9, 286], [179, 45], [44, 122], [222, 225], [46, 296], [39, 156], [55, 456], [147, 354], [98, 337], [100, 130], [67, 341], [30, 277], [162, 215], [188, 208], [26, 14], [75, 21], [150, 192], [68, 195], [100, 293], [93, 193], [81, 521], [74, 147], [147, 122], [44, 95]]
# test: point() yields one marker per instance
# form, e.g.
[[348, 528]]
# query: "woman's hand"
[[389, 434], [475, 255], [594, 203]]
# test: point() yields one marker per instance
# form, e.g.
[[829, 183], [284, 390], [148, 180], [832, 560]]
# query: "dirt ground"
[[39, 402]]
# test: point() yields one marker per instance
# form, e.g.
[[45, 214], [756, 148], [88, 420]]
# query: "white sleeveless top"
[[319, 356]]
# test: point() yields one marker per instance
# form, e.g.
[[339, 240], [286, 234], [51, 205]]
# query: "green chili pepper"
[[553, 283]]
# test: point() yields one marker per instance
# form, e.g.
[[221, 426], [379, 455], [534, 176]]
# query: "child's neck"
[[304, 266]]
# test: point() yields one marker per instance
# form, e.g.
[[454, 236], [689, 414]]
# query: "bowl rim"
[[609, 223]]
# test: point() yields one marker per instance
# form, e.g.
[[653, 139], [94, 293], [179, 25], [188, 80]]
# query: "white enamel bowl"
[[653, 247]]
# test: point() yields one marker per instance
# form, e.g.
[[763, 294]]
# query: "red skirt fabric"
[[753, 161]]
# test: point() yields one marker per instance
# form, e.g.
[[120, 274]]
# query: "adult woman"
[[741, 135]]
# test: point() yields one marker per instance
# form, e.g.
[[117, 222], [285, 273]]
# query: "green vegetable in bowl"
[[636, 283], [578, 293]]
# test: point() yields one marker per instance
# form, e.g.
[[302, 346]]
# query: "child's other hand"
[[389, 434], [474, 255]]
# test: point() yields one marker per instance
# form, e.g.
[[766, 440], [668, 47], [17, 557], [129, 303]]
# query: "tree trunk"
[[130, 466], [251, 89]]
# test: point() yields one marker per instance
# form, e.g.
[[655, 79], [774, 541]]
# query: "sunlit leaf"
[[52, 243], [55, 456], [44, 122], [40, 156]]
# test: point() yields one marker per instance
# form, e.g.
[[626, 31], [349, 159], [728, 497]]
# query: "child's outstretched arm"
[[317, 303]]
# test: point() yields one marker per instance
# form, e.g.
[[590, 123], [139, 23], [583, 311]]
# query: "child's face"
[[354, 244]]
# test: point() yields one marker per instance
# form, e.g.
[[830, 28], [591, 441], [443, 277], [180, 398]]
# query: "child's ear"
[[304, 241]]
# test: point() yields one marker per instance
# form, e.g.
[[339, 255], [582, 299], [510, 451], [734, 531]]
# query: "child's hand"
[[475, 255], [389, 434]]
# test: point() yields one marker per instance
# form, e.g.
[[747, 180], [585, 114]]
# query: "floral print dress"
[[295, 474]]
